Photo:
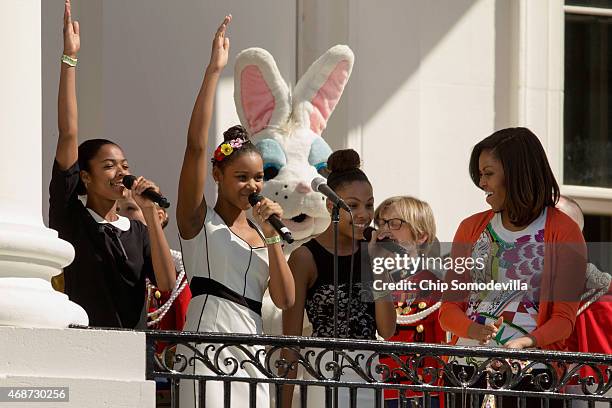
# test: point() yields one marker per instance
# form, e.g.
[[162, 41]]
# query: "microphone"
[[319, 184], [278, 225], [389, 244], [128, 182]]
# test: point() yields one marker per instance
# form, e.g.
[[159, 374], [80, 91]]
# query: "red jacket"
[[556, 318], [425, 330]]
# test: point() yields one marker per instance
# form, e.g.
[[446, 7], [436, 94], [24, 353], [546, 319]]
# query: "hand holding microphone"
[[146, 189], [389, 244], [267, 210]]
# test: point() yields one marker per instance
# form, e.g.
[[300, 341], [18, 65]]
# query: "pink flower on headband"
[[236, 143]]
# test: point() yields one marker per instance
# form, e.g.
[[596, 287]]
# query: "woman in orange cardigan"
[[523, 240]]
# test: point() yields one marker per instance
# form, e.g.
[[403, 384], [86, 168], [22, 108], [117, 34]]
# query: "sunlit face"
[[128, 208], [239, 178], [492, 180], [388, 220], [106, 171], [359, 197]]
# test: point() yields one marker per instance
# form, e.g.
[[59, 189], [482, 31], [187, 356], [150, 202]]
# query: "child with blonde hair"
[[410, 222]]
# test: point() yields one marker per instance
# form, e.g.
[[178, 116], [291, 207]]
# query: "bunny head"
[[287, 129]]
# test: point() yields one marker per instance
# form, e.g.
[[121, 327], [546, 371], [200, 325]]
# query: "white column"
[[30, 253], [540, 87]]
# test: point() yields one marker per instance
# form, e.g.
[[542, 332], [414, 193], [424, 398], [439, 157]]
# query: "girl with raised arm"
[[228, 259], [113, 255]]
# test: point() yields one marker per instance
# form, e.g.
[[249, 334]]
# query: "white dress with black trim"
[[227, 278]]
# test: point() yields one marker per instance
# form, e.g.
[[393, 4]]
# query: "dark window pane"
[[590, 3], [587, 105], [598, 234]]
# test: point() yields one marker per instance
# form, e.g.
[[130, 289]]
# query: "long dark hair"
[[87, 151], [530, 183]]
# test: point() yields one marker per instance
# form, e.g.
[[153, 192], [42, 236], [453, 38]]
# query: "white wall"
[[140, 68], [421, 95], [431, 79]]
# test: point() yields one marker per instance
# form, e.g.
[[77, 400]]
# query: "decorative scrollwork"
[[420, 367]]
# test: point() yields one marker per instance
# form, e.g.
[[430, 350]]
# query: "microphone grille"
[[254, 198], [316, 183], [128, 181]]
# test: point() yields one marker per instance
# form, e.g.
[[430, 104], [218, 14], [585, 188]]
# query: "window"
[[587, 153], [598, 234]]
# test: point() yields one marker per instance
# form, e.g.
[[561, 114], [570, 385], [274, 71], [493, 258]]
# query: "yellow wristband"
[[273, 240], [69, 60]]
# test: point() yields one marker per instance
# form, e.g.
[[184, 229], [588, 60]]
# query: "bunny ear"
[[261, 95], [319, 90]]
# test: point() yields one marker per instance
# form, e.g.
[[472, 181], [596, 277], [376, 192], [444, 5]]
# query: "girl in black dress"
[[312, 268], [113, 255]]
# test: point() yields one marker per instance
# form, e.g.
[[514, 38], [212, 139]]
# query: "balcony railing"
[[422, 374]]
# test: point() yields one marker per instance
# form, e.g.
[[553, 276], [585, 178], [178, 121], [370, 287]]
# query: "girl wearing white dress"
[[229, 261]]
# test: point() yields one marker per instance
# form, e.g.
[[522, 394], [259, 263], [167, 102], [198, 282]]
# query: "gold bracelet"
[[69, 60], [273, 240]]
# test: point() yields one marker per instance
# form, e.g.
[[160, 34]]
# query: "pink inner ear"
[[257, 99], [328, 96]]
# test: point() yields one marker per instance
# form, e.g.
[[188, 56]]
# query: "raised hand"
[[220, 47], [72, 38]]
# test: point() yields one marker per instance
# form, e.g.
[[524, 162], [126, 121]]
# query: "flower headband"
[[227, 148]]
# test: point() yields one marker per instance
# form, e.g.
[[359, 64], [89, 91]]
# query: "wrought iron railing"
[[422, 374]]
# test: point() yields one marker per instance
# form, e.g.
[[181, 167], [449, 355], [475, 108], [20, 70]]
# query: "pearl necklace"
[[180, 284], [413, 318]]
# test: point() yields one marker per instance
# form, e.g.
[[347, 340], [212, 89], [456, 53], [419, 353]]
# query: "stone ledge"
[[88, 393], [73, 353]]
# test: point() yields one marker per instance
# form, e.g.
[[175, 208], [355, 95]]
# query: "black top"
[[320, 297], [107, 276]]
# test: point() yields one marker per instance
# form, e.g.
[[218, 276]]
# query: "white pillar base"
[[29, 257], [89, 393], [101, 368]]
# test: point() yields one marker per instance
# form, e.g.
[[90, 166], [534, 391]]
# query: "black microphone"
[[389, 244], [151, 194], [278, 225], [320, 184]]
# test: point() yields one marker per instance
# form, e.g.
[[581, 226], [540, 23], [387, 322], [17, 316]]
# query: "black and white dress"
[[356, 316], [356, 321], [227, 278]]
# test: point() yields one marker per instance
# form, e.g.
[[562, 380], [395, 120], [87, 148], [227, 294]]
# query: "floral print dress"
[[510, 256]]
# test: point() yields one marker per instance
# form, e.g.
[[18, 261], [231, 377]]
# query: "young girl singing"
[[228, 259]]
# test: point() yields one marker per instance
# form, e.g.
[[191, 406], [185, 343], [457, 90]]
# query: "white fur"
[[289, 126]]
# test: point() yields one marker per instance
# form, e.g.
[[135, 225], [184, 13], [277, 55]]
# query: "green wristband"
[[69, 60], [273, 240]]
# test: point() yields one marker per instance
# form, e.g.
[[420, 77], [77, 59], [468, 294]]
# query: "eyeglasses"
[[392, 224]]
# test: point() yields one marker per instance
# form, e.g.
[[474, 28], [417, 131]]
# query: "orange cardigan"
[[556, 318]]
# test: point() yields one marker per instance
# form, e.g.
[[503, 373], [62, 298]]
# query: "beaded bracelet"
[[273, 240], [69, 60]]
